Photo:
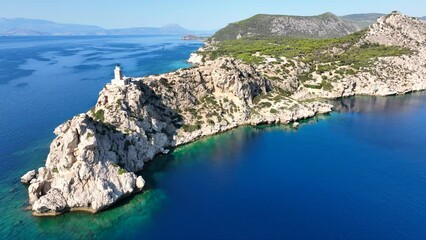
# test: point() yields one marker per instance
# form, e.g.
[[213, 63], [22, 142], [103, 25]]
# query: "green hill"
[[326, 25]]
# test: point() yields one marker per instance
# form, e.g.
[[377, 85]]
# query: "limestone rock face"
[[79, 172], [397, 29], [195, 58], [94, 157], [52, 201]]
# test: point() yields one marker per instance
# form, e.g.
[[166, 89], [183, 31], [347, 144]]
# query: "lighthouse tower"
[[118, 77]]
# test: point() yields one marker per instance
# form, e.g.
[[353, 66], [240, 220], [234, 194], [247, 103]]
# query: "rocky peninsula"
[[93, 159]]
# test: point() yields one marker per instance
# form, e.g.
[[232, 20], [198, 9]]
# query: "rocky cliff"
[[386, 75], [94, 157]]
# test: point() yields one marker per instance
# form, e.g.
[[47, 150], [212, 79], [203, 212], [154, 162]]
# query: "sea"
[[357, 173]]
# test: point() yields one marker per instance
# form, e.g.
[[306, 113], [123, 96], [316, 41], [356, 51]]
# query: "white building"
[[119, 79]]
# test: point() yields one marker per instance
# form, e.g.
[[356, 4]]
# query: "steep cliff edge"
[[92, 160]]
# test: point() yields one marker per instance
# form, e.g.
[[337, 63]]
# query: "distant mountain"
[[423, 18], [172, 29], [24, 26], [263, 25], [363, 20], [27, 27]]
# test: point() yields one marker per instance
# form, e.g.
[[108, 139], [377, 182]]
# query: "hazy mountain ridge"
[[27, 27], [322, 26], [363, 20], [18, 26]]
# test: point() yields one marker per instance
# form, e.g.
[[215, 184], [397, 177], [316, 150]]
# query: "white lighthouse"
[[118, 77]]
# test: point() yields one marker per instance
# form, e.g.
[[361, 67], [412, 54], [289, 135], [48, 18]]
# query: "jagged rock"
[[27, 177], [195, 58], [397, 29], [53, 201], [140, 183]]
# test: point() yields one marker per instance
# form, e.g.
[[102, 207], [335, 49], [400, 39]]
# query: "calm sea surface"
[[357, 173]]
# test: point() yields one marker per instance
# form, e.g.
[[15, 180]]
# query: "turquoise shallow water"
[[357, 173]]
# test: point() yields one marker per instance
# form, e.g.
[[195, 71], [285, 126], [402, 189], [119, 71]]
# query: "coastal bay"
[[212, 120], [94, 160], [236, 140]]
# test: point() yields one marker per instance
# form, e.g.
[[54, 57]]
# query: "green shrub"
[[313, 86], [164, 82], [257, 99], [325, 85], [273, 110], [350, 72], [89, 135], [303, 77], [190, 128], [98, 115], [265, 105]]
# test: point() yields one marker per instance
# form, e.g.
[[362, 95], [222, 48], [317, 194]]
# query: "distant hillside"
[[363, 20], [24, 26], [172, 29], [31, 27], [261, 25]]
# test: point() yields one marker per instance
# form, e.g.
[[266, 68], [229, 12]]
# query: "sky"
[[191, 14]]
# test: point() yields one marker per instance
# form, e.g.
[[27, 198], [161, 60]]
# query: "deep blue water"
[[357, 173]]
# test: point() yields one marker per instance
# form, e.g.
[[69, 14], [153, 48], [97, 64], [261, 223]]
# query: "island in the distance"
[[250, 79], [192, 37]]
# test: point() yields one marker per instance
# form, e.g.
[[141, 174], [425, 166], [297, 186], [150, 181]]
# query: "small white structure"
[[119, 80]]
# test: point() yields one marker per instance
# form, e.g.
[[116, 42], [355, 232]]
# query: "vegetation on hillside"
[[262, 25], [343, 50]]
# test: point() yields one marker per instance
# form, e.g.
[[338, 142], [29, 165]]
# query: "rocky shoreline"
[[93, 159]]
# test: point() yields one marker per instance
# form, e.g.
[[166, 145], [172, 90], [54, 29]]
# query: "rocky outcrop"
[[82, 169], [397, 29], [27, 177], [94, 157]]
